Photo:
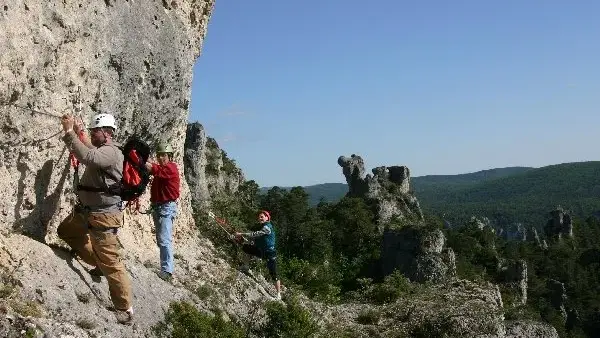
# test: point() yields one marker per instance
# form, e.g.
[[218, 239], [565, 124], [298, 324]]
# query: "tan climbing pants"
[[95, 241]]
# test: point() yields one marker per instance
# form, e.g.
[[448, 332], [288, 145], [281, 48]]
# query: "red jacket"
[[165, 184]]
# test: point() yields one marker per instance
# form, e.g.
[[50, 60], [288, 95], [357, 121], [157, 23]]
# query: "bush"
[[229, 166], [392, 287], [291, 321], [183, 320], [319, 281], [368, 317]]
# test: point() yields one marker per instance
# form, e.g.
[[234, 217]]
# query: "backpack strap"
[[106, 189]]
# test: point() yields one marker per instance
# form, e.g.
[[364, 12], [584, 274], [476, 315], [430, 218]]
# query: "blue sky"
[[443, 87]]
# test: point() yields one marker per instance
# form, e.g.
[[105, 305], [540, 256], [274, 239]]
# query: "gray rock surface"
[[558, 296], [208, 171], [388, 187], [457, 309], [514, 274], [559, 225], [418, 253], [414, 250], [529, 329]]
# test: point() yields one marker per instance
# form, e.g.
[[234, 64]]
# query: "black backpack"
[[135, 177]]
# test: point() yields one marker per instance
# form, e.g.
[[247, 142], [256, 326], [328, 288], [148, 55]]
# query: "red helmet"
[[266, 213]]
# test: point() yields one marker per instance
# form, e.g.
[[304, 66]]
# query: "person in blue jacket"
[[263, 246]]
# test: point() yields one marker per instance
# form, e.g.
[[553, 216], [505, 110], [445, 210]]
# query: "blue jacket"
[[264, 239]]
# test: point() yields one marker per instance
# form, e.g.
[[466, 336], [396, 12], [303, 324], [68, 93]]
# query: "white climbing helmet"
[[103, 120]]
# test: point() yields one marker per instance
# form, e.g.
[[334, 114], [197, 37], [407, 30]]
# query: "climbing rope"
[[33, 111]]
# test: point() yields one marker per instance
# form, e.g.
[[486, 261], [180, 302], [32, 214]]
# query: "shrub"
[[291, 321], [183, 320]]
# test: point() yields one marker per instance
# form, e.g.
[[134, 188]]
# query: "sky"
[[442, 87]]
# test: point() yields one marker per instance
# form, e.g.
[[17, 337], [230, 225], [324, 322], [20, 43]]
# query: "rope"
[[30, 109]]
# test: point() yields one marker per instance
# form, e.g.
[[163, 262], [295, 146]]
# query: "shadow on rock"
[[69, 257], [35, 224]]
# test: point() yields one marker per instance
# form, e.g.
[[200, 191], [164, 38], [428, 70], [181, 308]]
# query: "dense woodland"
[[329, 251]]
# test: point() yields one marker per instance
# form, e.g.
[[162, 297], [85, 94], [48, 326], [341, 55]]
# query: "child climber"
[[164, 193], [263, 247]]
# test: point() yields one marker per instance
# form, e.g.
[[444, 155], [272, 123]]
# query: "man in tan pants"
[[91, 230]]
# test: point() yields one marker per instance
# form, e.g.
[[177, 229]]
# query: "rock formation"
[[388, 188], [418, 253], [514, 275], [457, 309], [558, 296], [534, 237], [560, 225], [208, 170]]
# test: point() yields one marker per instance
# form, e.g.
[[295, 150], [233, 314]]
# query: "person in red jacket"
[[164, 192]]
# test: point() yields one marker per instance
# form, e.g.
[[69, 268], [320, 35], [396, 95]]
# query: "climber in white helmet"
[[91, 229]]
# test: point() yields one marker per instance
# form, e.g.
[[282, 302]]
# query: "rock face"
[[514, 232], [133, 59], [558, 296], [560, 225], [208, 171], [529, 329], [388, 187], [535, 238], [514, 275], [418, 253], [457, 309]]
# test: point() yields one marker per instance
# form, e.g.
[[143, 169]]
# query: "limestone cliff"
[[133, 59], [208, 170]]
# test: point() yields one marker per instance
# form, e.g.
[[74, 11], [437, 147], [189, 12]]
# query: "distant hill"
[[525, 196], [470, 178], [332, 192], [507, 195]]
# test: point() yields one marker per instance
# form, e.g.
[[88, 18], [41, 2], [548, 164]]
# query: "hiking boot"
[[96, 272], [124, 317], [167, 277]]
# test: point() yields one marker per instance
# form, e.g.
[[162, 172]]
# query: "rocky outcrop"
[[418, 253], [514, 232], [457, 309], [560, 225], [208, 171], [529, 329], [534, 237], [132, 59], [558, 296], [387, 187], [514, 276]]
